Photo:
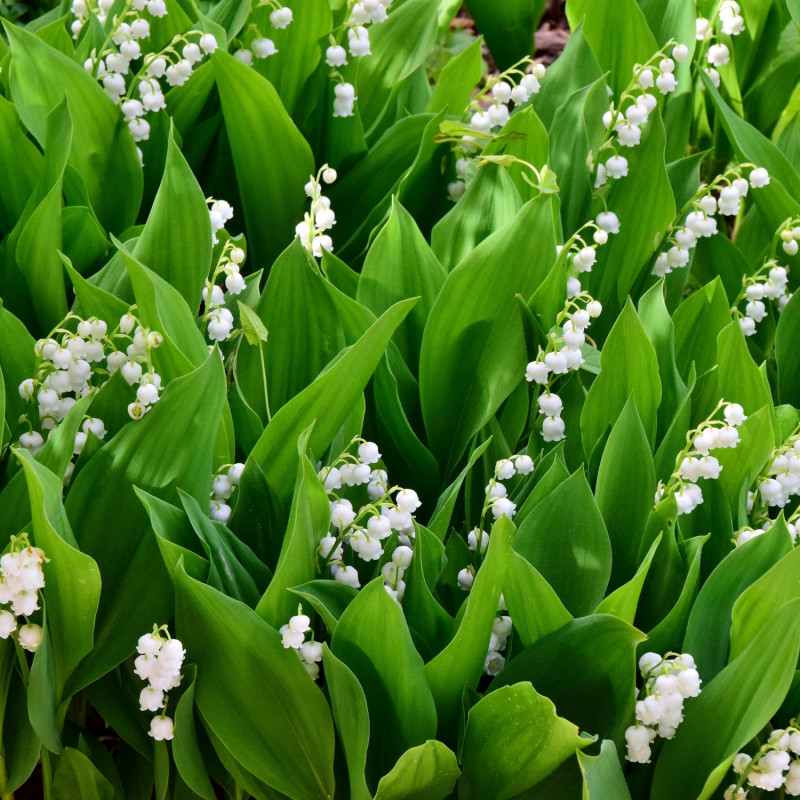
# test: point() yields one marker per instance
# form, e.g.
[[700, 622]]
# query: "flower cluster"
[[80, 360], [365, 531], [497, 501], [490, 109], [695, 461], [728, 22], [21, 577], [220, 212], [159, 662], [668, 681], [562, 354], [624, 121], [775, 765], [225, 482], [700, 221], [260, 46], [112, 64], [770, 282], [366, 12], [321, 218], [219, 320], [501, 630], [294, 635]]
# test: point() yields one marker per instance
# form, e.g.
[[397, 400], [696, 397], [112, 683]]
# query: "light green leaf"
[[426, 772], [513, 739], [254, 329], [602, 774]]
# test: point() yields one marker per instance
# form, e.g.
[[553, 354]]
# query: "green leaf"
[[628, 367], [176, 240], [698, 322], [398, 50], [578, 566], [597, 691], [373, 640], [464, 329], [135, 583], [349, 707], [186, 748], [513, 739], [328, 598], [294, 752], [618, 34], [624, 600], [21, 163], [309, 518], [602, 775], [786, 355], [426, 772], [490, 202], [755, 606], [626, 485], [254, 329], [532, 603], [328, 400], [270, 174], [103, 153], [708, 631], [72, 579], [453, 89], [461, 663], [399, 265], [77, 778], [731, 710]]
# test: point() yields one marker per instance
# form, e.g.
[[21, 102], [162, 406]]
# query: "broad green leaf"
[[490, 202], [566, 540], [309, 520], [399, 265], [186, 749], [754, 609], [587, 669], [254, 329], [136, 587], [175, 242], [304, 333], [72, 578], [17, 360], [398, 50], [628, 367], [787, 356], [294, 752], [575, 68], [698, 321], [21, 164], [77, 778], [461, 663], [669, 633], [532, 603], [426, 772], [328, 400], [463, 329], [625, 487], [91, 300], [624, 600], [372, 639], [660, 330], [731, 710], [602, 775], [328, 598], [618, 34], [456, 81], [513, 739], [103, 153], [708, 630], [350, 714], [271, 176], [509, 29]]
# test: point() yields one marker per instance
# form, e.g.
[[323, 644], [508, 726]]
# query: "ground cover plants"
[[390, 414]]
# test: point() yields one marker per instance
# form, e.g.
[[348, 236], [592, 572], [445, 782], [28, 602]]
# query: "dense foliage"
[[389, 417]]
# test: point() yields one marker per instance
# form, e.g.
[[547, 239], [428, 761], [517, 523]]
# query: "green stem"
[[264, 376], [47, 774]]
